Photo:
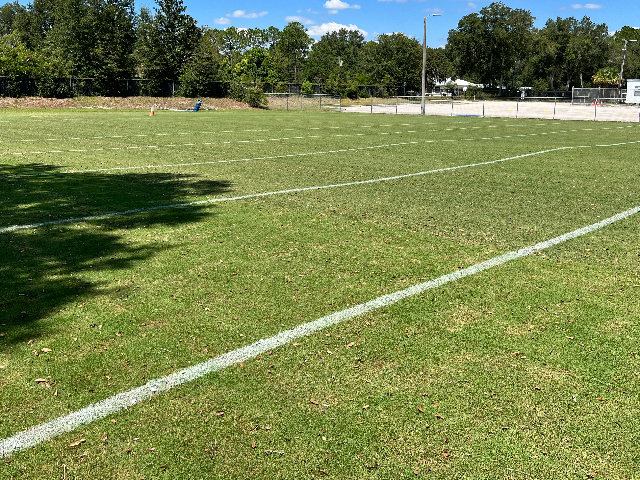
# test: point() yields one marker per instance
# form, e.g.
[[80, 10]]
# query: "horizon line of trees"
[[106, 40]]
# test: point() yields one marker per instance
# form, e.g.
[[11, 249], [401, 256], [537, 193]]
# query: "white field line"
[[47, 431], [173, 165], [149, 135], [230, 142], [266, 194], [143, 135], [213, 162], [294, 190]]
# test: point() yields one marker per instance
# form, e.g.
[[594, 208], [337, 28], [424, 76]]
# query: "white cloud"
[[334, 6], [302, 20], [244, 14], [320, 30], [221, 21], [437, 11], [588, 6]]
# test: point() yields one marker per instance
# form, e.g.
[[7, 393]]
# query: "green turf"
[[529, 370]]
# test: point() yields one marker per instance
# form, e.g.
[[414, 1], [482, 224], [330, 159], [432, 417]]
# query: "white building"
[[633, 91]]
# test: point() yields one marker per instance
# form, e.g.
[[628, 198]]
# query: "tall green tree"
[[587, 50], [394, 59], [290, 52], [632, 60], [336, 57], [166, 40], [203, 68], [491, 46], [10, 15], [567, 51]]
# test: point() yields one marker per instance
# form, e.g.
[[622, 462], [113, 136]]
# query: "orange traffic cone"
[[152, 113]]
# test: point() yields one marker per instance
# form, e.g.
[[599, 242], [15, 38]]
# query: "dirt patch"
[[139, 103]]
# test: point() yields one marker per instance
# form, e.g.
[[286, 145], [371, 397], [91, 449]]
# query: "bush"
[[352, 91], [50, 87], [255, 97], [251, 94], [473, 91], [307, 88], [282, 87]]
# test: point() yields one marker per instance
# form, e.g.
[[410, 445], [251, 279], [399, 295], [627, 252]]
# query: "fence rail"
[[552, 108], [298, 102]]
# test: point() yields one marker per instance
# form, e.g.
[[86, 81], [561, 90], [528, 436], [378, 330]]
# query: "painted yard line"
[[277, 139], [273, 157], [59, 426], [143, 135], [67, 172], [172, 145], [294, 190], [265, 194]]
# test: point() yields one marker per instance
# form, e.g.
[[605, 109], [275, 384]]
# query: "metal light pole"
[[424, 59], [624, 56]]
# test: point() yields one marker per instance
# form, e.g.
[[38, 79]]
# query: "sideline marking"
[[230, 142], [142, 135], [343, 150], [294, 190], [266, 194], [96, 411]]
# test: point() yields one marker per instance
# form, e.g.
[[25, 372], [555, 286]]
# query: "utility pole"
[[624, 56], [424, 60]]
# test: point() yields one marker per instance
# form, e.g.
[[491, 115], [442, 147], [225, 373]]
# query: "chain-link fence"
[[597, 95], [514, 107], [297, 102], [63, 87]]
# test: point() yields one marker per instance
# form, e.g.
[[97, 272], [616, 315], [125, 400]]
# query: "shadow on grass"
[[41, 269]]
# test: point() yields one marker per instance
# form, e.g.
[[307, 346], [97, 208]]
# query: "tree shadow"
[[40, 267]]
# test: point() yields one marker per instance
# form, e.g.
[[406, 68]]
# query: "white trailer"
[[633, 91]]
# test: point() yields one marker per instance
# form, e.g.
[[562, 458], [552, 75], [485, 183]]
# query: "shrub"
[[307, 88]]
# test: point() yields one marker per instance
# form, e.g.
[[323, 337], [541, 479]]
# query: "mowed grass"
[[528, 370]]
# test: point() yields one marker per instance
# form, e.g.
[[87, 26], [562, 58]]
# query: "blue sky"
[[373, 17]]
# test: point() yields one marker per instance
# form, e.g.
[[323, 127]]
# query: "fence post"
[[452, 104], [555, 101], [595, 111], [517, 107], [372, 103]]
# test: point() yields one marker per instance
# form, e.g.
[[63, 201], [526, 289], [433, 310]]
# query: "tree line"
[[107, 40]]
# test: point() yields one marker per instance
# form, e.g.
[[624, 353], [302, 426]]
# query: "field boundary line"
[[213, 162], [267, 194], [124, 400], [147, 135], [201, 144], [14, 228]]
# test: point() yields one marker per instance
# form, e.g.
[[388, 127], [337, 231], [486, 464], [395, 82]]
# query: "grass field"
[[526, 370]]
